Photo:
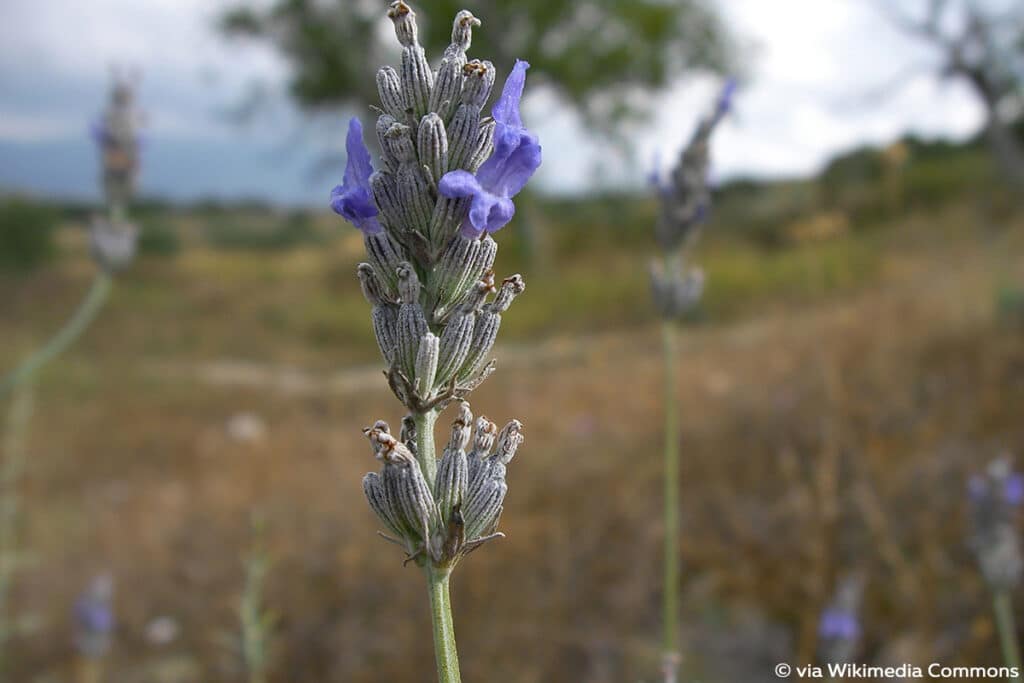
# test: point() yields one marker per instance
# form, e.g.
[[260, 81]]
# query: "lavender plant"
[[93, 616], [675, 288], [112, 237], [995, 496], [839, 628], [447, 178]]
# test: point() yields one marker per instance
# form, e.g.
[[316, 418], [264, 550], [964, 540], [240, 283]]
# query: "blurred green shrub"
[[26, 233], [157, 238], [259, 233], [1010, 305]]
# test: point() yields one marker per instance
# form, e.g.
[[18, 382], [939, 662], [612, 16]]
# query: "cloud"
[[813, 66]]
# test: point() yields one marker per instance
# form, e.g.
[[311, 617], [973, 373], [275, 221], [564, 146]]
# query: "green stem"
[[670, 615], [1007, 632], [75, 326], [11, 469], [425, 453], [445, 652]]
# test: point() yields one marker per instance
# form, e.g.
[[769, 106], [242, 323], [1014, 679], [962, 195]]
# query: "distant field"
[[835, 392]]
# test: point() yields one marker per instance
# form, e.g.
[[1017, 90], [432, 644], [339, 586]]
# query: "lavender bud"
[[454, 347], [426, 365], [462, 32], [390, 88], [481, 512], [386, 257], [452, 478], [416, 76], [511, 287], [433, 145], [385, 195], [483, 437], [373, 488], [385, 330], [412, 327], [508, 441], [408, 283], [483, 147], [479, 81], [461, 428], [447, 87], [370, 285], [484, 334], [405, 23]]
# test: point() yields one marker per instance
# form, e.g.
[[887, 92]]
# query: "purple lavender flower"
[[724, 103], [353, 199], [1013, 489], [94, 616], [838, 624], [516, 157]]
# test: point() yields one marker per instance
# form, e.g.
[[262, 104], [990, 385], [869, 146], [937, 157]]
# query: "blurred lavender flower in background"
[[94, 618], [116, 133], [675, 289], [839, 628], [685, 202], [994, 497], [113, 244]]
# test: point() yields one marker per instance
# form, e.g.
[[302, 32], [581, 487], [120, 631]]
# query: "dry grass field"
[[835, 396]]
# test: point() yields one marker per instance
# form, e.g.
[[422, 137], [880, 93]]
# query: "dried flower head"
[[441, 523], [994, 497]]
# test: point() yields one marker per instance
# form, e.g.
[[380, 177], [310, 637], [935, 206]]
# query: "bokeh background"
[[858, 354]]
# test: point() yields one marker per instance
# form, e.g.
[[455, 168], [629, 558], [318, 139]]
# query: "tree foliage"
[[595, 55]]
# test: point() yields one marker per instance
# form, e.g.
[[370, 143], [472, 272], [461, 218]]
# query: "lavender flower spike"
[[516, 156], [353, 199]]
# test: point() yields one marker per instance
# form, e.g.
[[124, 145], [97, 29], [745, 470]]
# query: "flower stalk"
[[1007, 628], [670, 599], [445, 653], [676, 289]]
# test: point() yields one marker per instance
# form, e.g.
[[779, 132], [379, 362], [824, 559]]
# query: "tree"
[[983, 46], [594, 55]]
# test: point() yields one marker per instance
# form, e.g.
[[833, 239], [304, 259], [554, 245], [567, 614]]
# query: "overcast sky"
[[813, 65]]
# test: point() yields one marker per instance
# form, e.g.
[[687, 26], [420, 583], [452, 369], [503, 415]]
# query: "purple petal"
[[490, 213], [459, 184], [353, 199], [358, 168], [838, 624], [518, 168], [506, 109]]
